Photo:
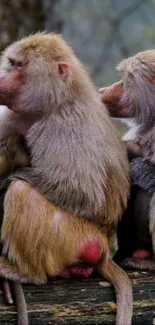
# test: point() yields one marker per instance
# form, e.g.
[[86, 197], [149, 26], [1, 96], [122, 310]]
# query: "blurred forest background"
[[101, 32]]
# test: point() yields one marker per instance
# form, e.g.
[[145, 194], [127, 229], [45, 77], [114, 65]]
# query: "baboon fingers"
[[7, 292]]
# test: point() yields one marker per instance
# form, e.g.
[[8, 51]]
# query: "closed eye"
[[14, 63]]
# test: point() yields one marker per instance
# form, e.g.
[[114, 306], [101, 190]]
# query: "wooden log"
[[82, 301]]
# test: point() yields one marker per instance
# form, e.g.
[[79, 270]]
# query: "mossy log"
[[82, 301]]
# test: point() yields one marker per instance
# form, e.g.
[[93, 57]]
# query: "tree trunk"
[[19, 18], [84, 301]]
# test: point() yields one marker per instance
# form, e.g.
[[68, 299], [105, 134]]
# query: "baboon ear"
[[152, 78], [111, 94], [63, 70]]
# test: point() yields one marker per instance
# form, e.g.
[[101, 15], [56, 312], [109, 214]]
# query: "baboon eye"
[[15, 63], [12, 62]]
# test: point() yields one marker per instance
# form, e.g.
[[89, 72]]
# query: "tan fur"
[[55, 249], [88, 142], [78, 162], [13, 154], [147, 56], [55, 244], [120, 283]]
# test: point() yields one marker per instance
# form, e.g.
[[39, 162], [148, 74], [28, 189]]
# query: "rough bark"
[[87, 301]]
